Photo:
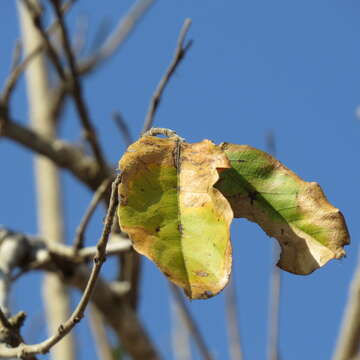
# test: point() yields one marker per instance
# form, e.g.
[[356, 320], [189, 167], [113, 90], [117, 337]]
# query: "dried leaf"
[[174, 215], [259, 188]]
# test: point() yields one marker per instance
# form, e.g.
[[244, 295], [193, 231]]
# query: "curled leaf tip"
[[259, 188]]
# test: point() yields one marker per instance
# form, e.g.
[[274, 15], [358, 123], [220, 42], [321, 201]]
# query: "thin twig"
[[179, 55], [76, 87], [348, 342], [118, 37], [13, 77], [17, 67], [98, 329], [58, 98], [16, 56], [102, 32], [123, 128], [180, 335], [232, 321], [121, 317], [53, 56], [275, 294], [100, 192], [24, 350], [190, 322], [275, 282]]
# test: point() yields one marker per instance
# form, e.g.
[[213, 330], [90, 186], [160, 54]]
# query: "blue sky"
[[291, 67]]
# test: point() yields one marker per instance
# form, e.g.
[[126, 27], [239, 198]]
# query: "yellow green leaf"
[[174, 215], [259, 188]]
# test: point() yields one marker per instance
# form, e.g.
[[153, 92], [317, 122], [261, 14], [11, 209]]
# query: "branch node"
[[77, 319], [17, 321], [61, 329]]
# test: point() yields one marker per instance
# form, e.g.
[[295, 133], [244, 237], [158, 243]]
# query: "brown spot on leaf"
[[253, 196], [180, 228]]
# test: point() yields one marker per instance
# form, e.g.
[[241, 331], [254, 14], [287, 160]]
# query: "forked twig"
[[25, 350], [180, 52], [10, 330]]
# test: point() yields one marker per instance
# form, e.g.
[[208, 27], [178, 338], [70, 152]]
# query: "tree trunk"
[[50, 214]]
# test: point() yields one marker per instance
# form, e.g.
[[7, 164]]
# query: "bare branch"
[[179, 55], [3, 320], [116, 312], [46, 256], [18, 68], [57, 102], [60, 259], [100, 192], [190, 322], [275, 295], [123, 127], [118, 37], [66, 156], [119, 315], [76, 87], [232, 321], [275, 281], [10, 330], [16, 56], [14, 76], [78, 313], [349, 338], [180, 335], [12, 251], [37, 22], [98, 329]]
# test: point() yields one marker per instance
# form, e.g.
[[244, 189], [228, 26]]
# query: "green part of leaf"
[[309, 229], [174, 215]]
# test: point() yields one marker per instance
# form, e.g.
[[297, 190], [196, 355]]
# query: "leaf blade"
[[174, 215], [309, 229]]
